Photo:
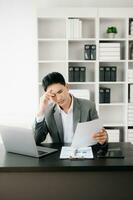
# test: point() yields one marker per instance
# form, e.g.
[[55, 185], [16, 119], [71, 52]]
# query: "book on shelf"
[[130, 27], [109, 50], [74, 28], [110, 44], [131, 50], [104, 95], [107, 58], [109, 53], [130, 135], [70, 31], [130, 75]]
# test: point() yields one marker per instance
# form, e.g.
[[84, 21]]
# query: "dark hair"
[[52, 78]]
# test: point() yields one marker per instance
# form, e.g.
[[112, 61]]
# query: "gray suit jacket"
[[83, 110]]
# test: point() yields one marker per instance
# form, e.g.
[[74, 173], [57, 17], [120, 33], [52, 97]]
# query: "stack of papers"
[[74, 153], [82, 141], [83, 136]]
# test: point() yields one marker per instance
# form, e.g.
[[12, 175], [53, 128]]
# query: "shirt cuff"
[[39, 118]]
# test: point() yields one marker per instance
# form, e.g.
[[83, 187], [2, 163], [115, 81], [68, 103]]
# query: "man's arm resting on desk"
[[40, 130]]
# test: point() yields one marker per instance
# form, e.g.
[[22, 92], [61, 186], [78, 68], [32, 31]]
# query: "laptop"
[[21, 141]]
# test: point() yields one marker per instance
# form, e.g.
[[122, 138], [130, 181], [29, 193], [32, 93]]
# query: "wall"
[[84, 3], [18, 62]]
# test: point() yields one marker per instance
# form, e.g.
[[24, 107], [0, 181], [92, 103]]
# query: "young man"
[[60, 112]]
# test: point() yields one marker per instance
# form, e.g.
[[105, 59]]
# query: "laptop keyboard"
[[41, 150], [41, 153]]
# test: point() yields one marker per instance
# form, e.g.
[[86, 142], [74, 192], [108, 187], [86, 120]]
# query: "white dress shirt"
[[67, 122]]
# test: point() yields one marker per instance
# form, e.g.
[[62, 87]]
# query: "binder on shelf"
[[113, 73], [101, 73], [76, 74], [71, 74], [101, 95], [82, 74], [87, 51], [107, 73], [93, 52], [106, 95], [90, 52]]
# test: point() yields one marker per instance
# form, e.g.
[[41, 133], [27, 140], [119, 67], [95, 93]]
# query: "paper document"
[[73, 153], [83, 136]]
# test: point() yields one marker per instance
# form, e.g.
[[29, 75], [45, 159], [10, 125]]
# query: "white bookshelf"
[[57, 50]]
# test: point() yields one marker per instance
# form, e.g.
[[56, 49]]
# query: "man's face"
[[59, 93]]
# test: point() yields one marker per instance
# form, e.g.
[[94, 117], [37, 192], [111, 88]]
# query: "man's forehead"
[[55, 87]]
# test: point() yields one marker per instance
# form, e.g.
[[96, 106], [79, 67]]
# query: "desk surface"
[[10, 162]]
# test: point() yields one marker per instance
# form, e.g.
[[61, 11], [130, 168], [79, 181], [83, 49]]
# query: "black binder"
[[101, 95], [113, 73], [93, 52], [71, 74], [101, 74], [82, 74], [106, 95], [76, 74], [107, 73], [87, 51]]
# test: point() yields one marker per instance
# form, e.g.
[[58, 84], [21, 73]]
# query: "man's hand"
[[101, 136], [44, 99]]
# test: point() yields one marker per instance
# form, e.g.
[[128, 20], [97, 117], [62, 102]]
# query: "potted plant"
[[111, 31]]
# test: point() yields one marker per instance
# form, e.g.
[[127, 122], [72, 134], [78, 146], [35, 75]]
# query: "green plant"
[[111, 29]]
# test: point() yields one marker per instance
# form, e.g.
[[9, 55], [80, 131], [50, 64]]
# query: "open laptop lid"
[[21, 141]]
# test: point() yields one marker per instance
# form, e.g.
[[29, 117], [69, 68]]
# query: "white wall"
[[18, 62], [84, 3]]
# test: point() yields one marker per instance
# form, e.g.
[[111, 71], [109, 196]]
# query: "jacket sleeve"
[[93, 112], [40, 131]]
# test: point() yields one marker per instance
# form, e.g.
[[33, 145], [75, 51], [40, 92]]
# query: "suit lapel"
[[58, 120], [76, 118], [76, 113]]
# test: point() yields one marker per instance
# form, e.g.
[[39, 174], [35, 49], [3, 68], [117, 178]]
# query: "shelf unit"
[[57, 51]]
